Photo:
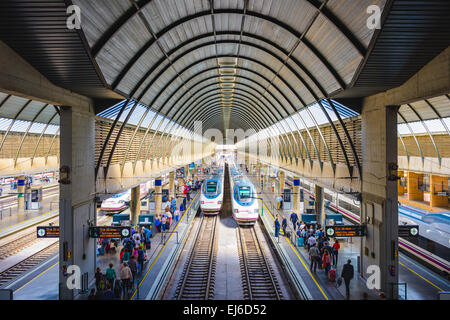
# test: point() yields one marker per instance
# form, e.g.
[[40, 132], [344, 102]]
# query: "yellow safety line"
[[420, 276], [40, 274], [159, 254], [29, 219], [298, 256]]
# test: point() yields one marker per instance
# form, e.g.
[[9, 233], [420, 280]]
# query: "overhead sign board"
[[109, 232], [407, 231], [345, 231], [48, 232]]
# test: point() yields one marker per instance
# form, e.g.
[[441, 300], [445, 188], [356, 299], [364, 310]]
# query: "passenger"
[[137, 239], [382, 296], [188, 197], [158, 224], [336, 247], [110, 275], [125, 276], [169, 219], [177, 215], [92, 295], [141, 259], [311, 241], [314, 257], [184, 203], [163, 222], [117, 290], [98, 277], [126, 256], [294, 218], [276, 225], [132, 264], [108, 294], [347, 274], [284, 225], [326, 261]]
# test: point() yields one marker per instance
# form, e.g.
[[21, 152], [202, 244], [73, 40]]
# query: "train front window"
[[211, 187], [244, 193]]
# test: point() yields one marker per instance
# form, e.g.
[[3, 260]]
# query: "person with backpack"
[[276, 226], [140, 260], [126, 256], [125, 277], [314, 257], [110, 275]]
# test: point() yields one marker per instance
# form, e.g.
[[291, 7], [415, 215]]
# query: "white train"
[[120, 201], [244, 200], [211, 197]]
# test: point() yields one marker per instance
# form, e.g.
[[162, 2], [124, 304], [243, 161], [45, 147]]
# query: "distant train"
[[432, 245], [120, 201], [244, 201], [211, 197]]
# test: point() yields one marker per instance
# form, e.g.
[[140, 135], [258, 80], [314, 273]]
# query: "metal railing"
[[401, 294], [5, 209]]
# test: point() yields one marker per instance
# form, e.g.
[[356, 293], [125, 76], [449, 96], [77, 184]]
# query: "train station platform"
[[41, 283], [13, 219], [421, 283], [423, 205]]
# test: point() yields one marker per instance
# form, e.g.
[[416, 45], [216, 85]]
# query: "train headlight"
[[219, 202], [256, 210], [236, 211], [203, 202]]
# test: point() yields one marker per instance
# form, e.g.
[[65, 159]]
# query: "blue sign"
[[296, 182], [191, 165], [20, 182], [158, 183]]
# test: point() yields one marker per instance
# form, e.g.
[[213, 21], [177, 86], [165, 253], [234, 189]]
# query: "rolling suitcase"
[[332, 275], [300, 241]]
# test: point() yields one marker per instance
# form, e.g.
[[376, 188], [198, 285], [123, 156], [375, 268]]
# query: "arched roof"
[[278, 56]]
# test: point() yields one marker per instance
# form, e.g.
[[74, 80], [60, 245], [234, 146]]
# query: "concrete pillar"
[[77, 208], [135, 205], [282, 182], [437, 184], [319, 205], [186, 172], [158, 196], [379, 205], [21, 193], [171, 184], [414, 180], [296, 196]]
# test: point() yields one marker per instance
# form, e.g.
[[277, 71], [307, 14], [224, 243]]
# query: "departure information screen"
[[406, 231], [48, 232], [345, 231], [109, 232]]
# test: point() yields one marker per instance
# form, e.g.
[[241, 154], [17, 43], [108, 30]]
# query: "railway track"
[[259, 281], [197, 279], [17, 245], [25, 265]]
